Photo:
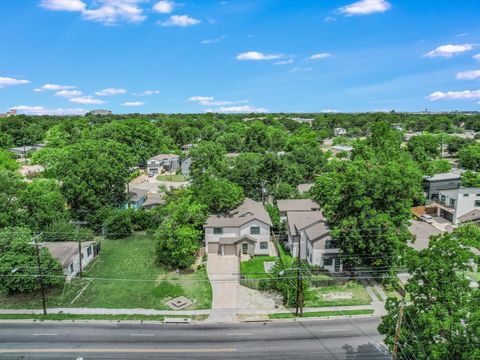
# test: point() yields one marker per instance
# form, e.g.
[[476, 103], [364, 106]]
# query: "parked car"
[[427, 218], [151, 174]]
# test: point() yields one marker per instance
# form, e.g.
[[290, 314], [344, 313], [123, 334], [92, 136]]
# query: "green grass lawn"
[[360, 296], [286, 258], [322, 314], [174, 178], [254, 268], [124, 276]]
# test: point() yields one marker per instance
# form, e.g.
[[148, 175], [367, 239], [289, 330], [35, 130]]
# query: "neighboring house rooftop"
[[247, 211], [452, 175], [303, 188], [65, 251], [342, 148], [30, 169], [297, 205], [298, 220], [154, 199], [161, 157], [422, 232], [137, 194], [473, 215], [317, 231]]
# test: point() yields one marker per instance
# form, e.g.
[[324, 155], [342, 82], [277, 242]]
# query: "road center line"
[[142, 334], [240, 334], [45, 334]]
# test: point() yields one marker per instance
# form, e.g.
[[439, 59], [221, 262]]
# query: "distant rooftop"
[[452, 175], [297, 205]]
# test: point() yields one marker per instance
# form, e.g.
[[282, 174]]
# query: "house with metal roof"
[[244, 231], [444, 181]]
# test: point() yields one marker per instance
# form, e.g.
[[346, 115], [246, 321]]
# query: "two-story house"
[[242, 231], [284, 206], [459, 205], [162, 163], [309, 237], [432, 185]]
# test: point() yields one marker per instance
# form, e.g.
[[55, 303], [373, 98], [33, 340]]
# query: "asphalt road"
[[324, 339]]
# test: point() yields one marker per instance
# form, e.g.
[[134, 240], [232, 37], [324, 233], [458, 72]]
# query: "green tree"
[[18, 266], [470, 179], [6, 141], [180, 234], [42, 204], [219, 195], [208, 159], [118, 224], [436, 166], [469, 157], [11, 184], [442, 320], [424, 147], [7, 161]]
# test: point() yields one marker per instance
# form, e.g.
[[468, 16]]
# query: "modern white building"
[[163, 163], [459, 205], [339, 131], [242, 231]]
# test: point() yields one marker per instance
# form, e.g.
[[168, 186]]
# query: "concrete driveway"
[[224, 274]]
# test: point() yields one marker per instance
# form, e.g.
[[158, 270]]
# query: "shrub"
[[118, 224], [62, 230]]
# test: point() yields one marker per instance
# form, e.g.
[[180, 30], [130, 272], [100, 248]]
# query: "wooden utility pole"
[[399, 327], [79, 240], [40, 272], [299, 290]]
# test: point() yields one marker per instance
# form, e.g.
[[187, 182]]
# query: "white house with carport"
[[244, 231], [460, 205]]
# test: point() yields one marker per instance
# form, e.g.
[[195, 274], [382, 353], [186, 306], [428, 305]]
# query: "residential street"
[[324, 339]]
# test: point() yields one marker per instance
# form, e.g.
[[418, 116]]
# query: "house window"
[[308, 252], [466, 195], [263, 245], [71, 268], [477, 203], [452, 202], [89, 251], [443, 198], [327, 262], [331, 244], [255, 230], [218, 231]]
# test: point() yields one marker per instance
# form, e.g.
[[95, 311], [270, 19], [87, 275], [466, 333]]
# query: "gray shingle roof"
[[422, 232], [317, 231], [65, 251], [298, 220], [470, 216], [247, 211], [304, 187], [297, 205]]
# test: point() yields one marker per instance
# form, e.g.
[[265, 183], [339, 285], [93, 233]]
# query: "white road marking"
[[240, 334], [142, 334], [45, 334], [331, 330]]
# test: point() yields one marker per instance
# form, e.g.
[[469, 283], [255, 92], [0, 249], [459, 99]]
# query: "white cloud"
[[469, 75], [180, 20], [107, 12], [238, 109], [63, 5], [54, 87], [68, 93], [283, 62], [461, 95], [8, 81], [477, 57], [147, 93], [330, 111], [449, 50], [254, 55], [110, 92], [164, 7], [87, 100], [319, 56], [301, 69], [133, 103], [40, 110], [213, 41], [365, 7], [210, 101]]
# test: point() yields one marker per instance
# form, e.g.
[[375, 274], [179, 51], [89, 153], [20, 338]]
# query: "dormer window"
[[255, 230]]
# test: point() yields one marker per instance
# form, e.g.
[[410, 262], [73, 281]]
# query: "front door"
[[337, 264], [245, 249]]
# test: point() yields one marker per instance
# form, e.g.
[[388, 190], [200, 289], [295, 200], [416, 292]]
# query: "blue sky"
[[69, 56]]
